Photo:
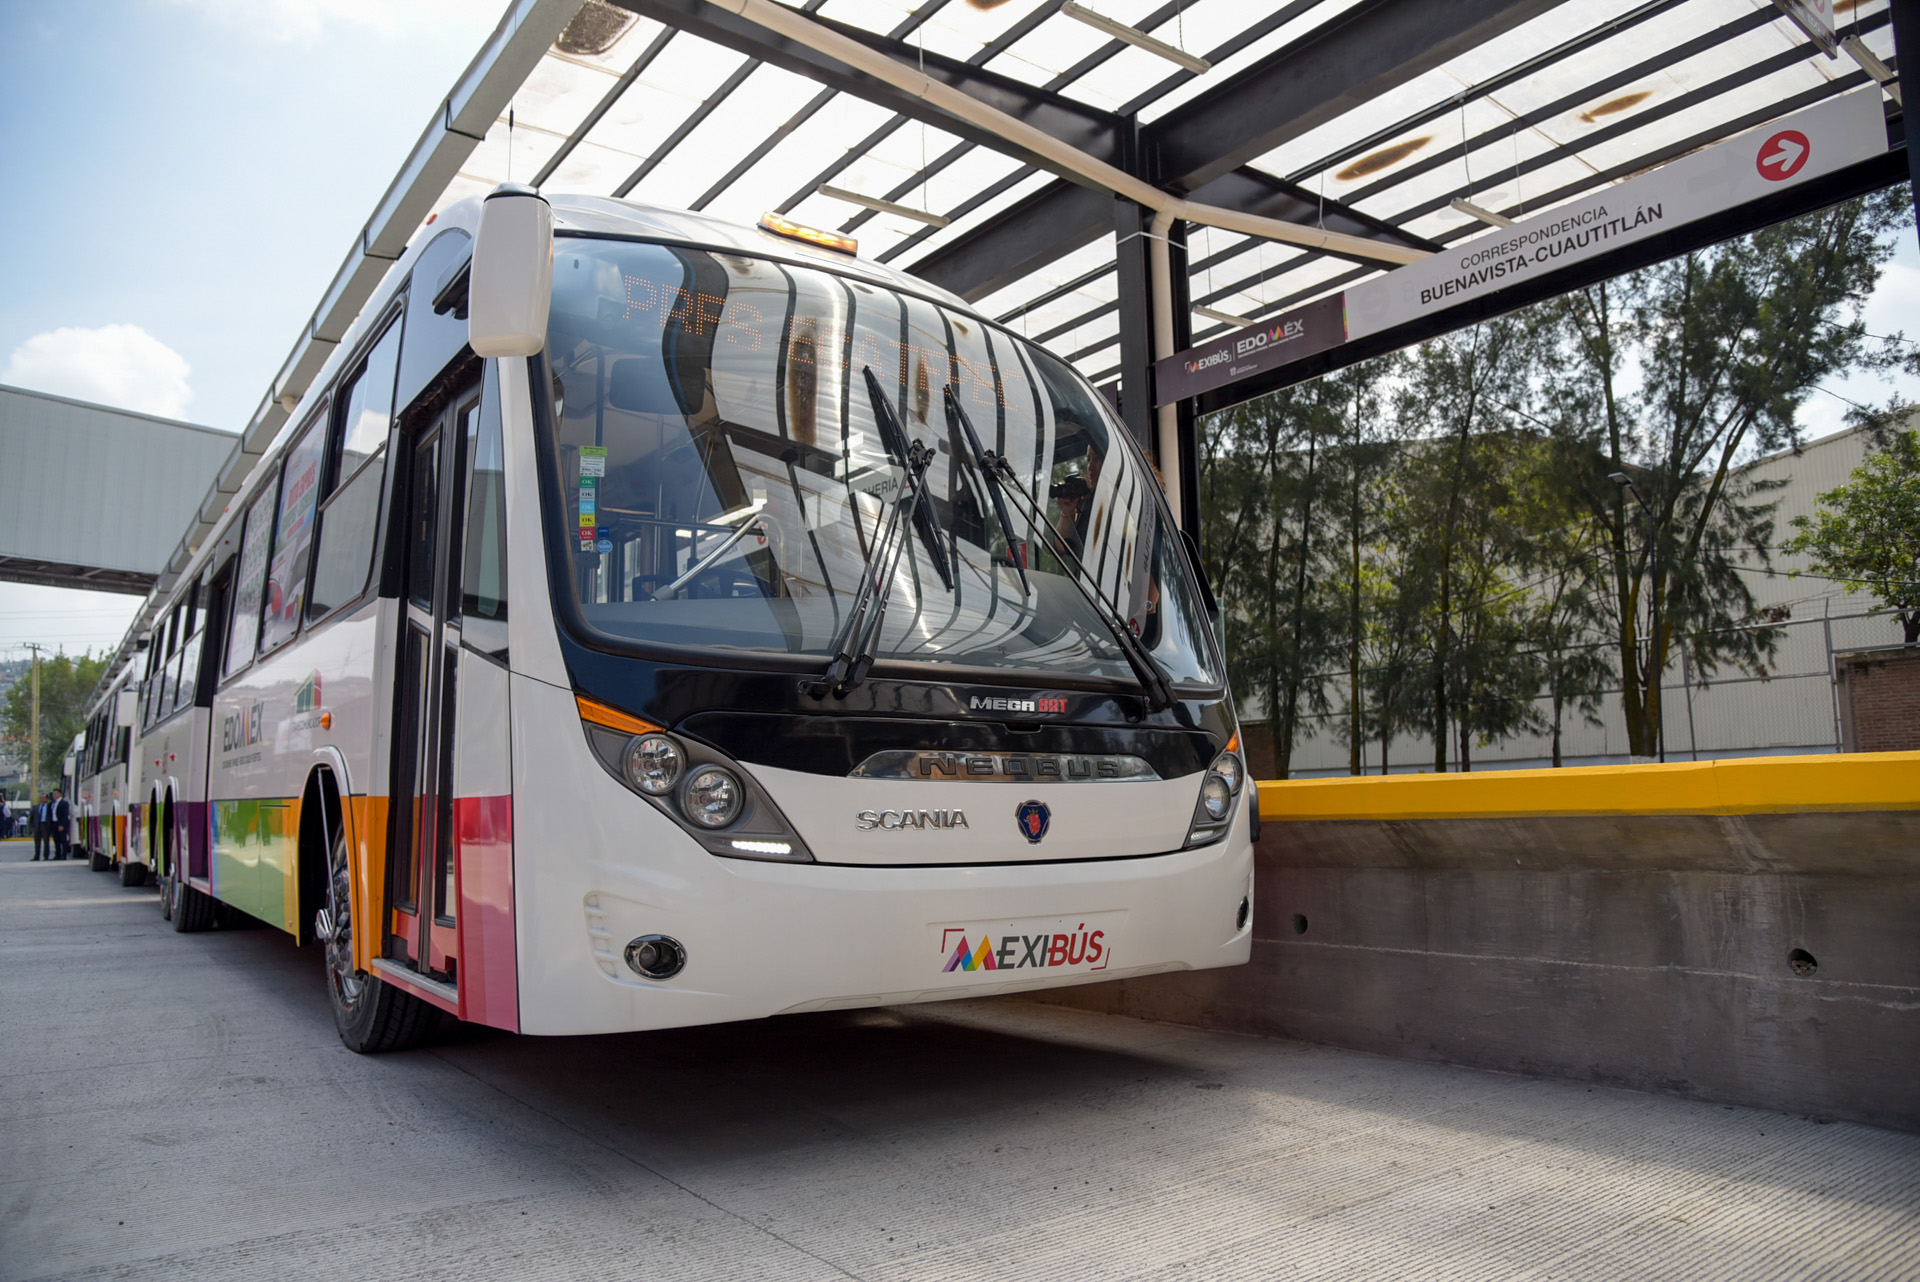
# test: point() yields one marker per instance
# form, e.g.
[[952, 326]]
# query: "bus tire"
[[192, 909], [371, 1015], [133, 873], [166, 896], [100, 862]]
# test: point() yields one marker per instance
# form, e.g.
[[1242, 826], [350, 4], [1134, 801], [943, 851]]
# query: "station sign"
[[1794, 149]]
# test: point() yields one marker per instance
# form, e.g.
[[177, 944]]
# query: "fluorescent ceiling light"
[[1870, 63], [883, 206], [1135, 37], [1225, 318], [1487, 216]]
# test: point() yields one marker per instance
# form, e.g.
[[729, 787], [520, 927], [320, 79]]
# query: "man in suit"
[[61, 816], [40, 831]]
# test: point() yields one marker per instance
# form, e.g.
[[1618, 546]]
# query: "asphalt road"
[[178, 1106]]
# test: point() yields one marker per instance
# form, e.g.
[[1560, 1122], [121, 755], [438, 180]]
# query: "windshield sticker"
[[593, 460]]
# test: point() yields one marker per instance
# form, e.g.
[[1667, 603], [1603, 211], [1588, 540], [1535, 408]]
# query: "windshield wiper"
[[982, 459], [895, 441], [1146, 669], [853, 645]]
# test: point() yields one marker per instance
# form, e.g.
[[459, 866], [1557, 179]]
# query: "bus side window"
[[287, 573], [169, 667], [350, 510], [194, 625], [483, 596], [244, 630], [436, 313]]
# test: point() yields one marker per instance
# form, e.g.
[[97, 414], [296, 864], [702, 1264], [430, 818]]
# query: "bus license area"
[[1049, 945]]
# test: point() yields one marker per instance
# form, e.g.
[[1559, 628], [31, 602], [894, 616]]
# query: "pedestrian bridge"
[[94, 497]]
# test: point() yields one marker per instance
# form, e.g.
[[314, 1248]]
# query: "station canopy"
[[1367, 118], [1417, 124]]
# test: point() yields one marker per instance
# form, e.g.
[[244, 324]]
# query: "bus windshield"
[[723, 483]]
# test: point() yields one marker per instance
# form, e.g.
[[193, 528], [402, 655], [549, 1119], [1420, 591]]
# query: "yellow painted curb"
[[1740, 785]]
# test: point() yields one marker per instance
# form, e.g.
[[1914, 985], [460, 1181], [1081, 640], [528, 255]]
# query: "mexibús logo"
[[1015, 948], [1033, 818]]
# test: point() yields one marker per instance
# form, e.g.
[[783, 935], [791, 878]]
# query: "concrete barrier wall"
[[1747, 932]]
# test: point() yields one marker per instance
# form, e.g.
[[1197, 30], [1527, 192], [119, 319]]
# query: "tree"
[[1451, 526], [1356, 478], [1262, 474], [1866, 533], [64, 686], [1563, 611], [1674, 375]]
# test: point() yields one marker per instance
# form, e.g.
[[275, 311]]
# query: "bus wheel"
[[133, 874], [100, 862], [190, 909], [372, 1016]]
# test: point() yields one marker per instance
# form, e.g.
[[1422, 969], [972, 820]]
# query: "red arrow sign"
[[1783, 155]]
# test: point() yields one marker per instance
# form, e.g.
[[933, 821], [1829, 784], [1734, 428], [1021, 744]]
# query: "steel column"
[[1136, 319]]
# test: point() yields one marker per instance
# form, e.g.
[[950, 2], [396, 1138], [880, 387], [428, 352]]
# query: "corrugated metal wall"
[[86, 485]]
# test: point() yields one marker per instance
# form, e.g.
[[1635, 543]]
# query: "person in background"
[[41, 832], [60, 815]]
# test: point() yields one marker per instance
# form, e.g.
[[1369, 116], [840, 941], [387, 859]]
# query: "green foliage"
[[1430, 544], [1866, 533], [1676, 374], [64, 686]]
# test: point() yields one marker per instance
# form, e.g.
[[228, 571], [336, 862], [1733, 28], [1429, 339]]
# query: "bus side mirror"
[[126, 708], [511, 282]]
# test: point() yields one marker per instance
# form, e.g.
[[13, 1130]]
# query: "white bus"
[[750, 628]]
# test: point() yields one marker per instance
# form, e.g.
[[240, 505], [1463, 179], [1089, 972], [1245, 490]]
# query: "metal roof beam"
[[1372, 48], [1088, 129], [1346, 63], [1053, 222]]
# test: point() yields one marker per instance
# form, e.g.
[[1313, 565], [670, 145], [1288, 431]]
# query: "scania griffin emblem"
[[1033, 818]]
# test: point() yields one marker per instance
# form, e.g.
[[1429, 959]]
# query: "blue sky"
[[183, 177]]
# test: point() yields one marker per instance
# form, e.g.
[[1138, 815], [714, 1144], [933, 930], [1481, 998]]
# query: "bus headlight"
[[1216, 797], [653, 764], [706, 794], [712, 798], [1213, 812], [1227, 766]]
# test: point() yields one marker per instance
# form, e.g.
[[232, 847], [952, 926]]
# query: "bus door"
[[421, 889]]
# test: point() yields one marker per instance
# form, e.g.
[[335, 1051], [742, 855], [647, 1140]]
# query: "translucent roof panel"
[[1542, 110]]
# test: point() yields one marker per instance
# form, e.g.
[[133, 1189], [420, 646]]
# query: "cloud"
[[119, 365], [283, 21]]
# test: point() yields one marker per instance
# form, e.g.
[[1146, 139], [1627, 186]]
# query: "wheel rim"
[[349, 984]]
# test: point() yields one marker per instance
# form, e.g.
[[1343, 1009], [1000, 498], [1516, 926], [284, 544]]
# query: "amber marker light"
[[612, 718], [811, 235], [326, 721], [1233, 744]]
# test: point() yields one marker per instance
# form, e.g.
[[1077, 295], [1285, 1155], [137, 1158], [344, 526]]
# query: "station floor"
[[178, 1106]]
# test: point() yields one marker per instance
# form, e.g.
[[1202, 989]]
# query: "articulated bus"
[[102, 793], [646, 621]]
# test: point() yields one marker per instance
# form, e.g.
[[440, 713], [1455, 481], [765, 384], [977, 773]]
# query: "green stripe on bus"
[[255, 845]]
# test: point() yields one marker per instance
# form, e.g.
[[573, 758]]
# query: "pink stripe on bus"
[[483, 844]]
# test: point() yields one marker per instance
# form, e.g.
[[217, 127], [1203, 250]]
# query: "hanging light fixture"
[[1135, 37]]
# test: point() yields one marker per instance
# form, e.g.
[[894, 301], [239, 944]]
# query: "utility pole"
[[33, 747]]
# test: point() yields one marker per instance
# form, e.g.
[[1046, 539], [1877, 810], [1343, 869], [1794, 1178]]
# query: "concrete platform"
[[179, 1106]]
